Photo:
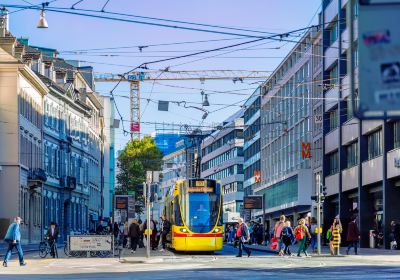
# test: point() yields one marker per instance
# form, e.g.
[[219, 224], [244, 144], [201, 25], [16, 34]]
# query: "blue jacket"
[[13, 233]]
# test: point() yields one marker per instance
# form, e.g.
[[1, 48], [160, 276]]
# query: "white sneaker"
[[162, 250], [132, 251]]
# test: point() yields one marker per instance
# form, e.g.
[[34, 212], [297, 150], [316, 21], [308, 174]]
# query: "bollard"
[[336, 241]]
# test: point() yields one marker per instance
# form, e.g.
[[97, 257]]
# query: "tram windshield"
[[200, 205]]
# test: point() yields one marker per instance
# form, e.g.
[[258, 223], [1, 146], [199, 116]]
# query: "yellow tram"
[[194, 208]]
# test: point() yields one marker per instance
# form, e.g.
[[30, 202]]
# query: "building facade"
[[251, 146], [110, 124], [286, 136], [54, 161], [361, 170], [222, 160], [21, 109]]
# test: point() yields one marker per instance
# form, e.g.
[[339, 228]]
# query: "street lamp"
[[42, 23], [204, 97]]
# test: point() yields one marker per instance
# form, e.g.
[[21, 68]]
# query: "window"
[[333, 163], [396, 134], [333, 33], [352, 154], [333, 76], [374, 141], [333, 119]]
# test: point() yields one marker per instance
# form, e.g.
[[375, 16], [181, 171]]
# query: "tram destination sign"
[[253, 202]]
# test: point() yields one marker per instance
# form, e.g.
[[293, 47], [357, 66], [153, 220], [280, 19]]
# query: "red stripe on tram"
[[176, 234]]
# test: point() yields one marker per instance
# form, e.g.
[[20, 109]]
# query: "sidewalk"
[[325, 250], [140, 256]]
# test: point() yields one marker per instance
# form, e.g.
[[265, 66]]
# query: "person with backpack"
[[287, 238], [244, 236], [301, 234], [277, 232]]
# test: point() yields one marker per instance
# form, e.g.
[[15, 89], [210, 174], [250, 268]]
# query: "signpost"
[[379, 59], [151, 177]]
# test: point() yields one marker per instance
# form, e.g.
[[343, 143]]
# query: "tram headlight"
[[217, 230], [183, 230]]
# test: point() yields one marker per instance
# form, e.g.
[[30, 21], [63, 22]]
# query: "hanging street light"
[[42, 23]]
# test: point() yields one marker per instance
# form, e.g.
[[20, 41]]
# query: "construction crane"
[[134, 79]]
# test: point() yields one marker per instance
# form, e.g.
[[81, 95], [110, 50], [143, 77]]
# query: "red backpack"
[[299, 234]]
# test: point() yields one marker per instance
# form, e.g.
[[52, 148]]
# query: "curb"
[[270, 251]]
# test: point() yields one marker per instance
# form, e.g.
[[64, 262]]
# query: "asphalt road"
[[220, 265]]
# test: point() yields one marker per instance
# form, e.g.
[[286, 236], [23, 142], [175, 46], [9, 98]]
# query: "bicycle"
[[45, 248]]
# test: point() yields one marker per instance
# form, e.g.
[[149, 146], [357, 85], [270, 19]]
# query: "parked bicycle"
[[46, 248]]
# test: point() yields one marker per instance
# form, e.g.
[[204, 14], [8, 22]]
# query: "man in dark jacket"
[[52, 236], [165, 229], [353, 235], [134, 233]]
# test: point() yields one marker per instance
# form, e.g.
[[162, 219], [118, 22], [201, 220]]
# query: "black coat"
[[166, 227], [54, 236], [134, 230]]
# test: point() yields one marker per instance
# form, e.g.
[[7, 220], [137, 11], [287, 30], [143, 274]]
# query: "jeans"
[[313, 242], [9, 251], [241, 246], [280, 244], [353, 244], [302, 246]]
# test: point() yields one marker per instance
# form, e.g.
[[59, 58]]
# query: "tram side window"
[[177, 213]]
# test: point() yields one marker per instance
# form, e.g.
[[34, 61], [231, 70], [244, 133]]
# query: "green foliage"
[[136, 158]]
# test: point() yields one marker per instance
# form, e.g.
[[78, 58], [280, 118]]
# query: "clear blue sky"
[[69, 32]]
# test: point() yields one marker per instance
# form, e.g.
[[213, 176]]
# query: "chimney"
[[3, 22]]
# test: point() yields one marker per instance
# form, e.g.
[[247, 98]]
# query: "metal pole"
[[148, 221], [319, 219]]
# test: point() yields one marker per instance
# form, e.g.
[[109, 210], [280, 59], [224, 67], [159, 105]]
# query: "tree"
[[136, 158]]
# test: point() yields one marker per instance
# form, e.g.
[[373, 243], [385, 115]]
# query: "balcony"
[[37, 174], [36, 177]]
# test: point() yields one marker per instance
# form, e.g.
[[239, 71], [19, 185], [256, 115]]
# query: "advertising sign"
[[252, 202], [121, 202], [379, 59], [90, 243]]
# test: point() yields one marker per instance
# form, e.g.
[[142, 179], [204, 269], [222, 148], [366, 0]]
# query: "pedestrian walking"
[[287, 238], [165, 229], [314, 233], [13, 239], [231, 234], [153, 232], [353, 235], [301, 234], [335, 239], [277, 232], [243, 235], [125, 232], [134, 234]]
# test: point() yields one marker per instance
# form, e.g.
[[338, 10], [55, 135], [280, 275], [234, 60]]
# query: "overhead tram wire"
[[167, 20], [101, 16]]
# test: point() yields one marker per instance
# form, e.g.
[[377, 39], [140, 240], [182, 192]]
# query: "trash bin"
[[372, 238]]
